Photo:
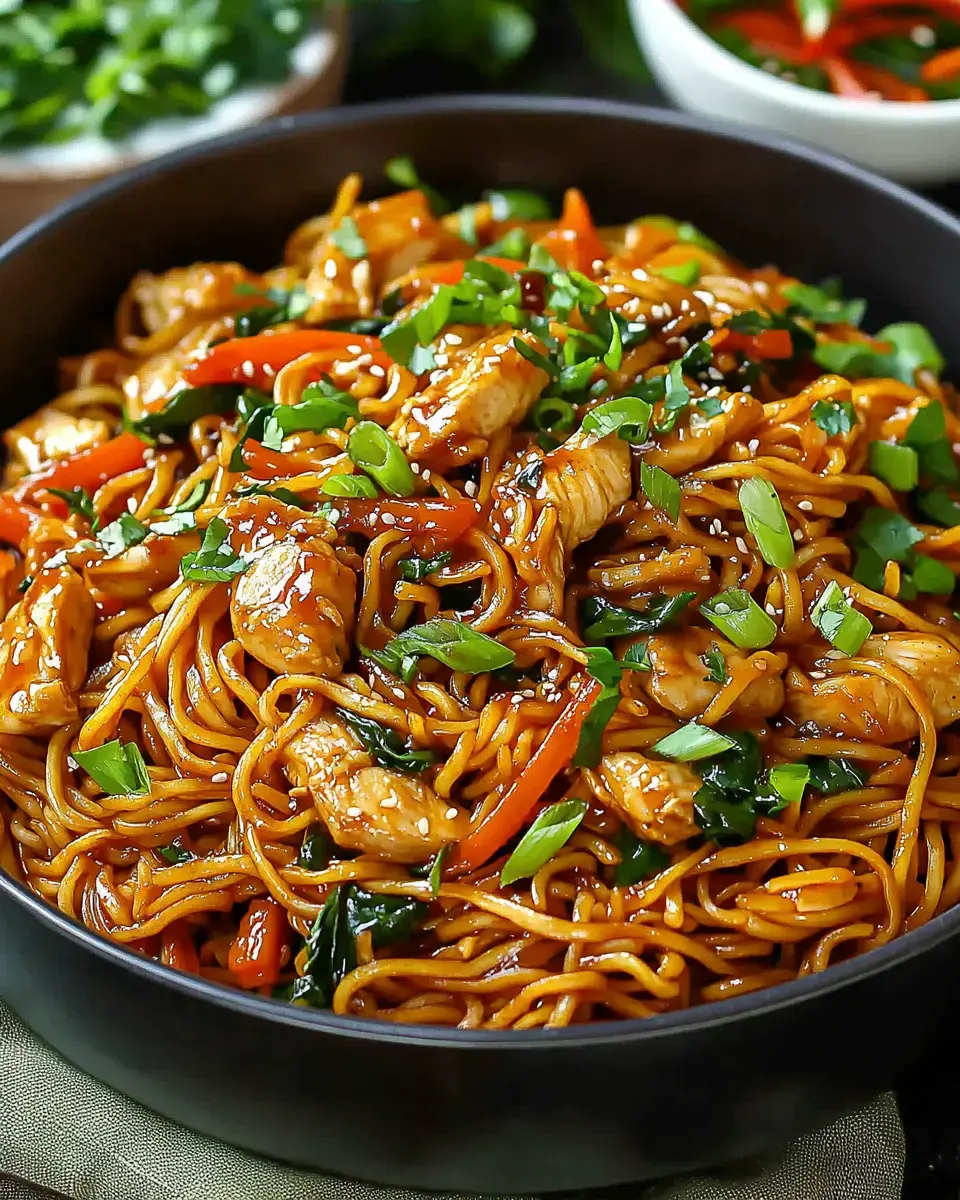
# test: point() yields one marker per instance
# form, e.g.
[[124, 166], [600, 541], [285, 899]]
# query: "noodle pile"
[[705, 742]]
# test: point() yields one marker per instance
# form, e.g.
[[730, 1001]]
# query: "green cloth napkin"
[[63, 1134]]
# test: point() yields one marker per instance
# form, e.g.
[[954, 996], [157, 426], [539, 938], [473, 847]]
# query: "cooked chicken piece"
[[44, 645], [398, 233], [161, 375], [693, 443], [677, 679], [366, 807], [540, 524], [870, 708], [148, 567], [654, 798], [50, 433], [490, 388], [293, 610], [203, 289]]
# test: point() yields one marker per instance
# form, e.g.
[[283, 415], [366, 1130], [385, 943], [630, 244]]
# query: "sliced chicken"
[[677, 679], [49, 434], [44, 647], [654, 798], [693, 443], [366, 807], [547, 507], [490, 388], [203, 289], [869, 707]]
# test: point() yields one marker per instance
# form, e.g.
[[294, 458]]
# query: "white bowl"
[[914, 143]]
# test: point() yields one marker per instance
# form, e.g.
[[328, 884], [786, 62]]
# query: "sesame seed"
[[415, 468], [798, 535], [818, 674], [353, 811], [470, 488], [453, 339], [714, 391], [355, 349], [330, 269], [425, 475], [390, 802], [753, 445], [247, 368], [388, 518], [423, 825], [268, 370], [399, 693], [656, 311], [742, 546], [714, 373], [333, 516], [805, 505], [923, 35], [377, 370], [451, 813], [220, 777], [768, 607], [72, 763]]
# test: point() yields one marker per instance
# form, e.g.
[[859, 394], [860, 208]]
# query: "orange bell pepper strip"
[[256, 952], [890, 86], [452, 272], [87, 468], [256, 360], [434, 519], [16, 520], [942, 67], [773, 33], [575, 243], [177, 949], [515, 805], [768, 343]]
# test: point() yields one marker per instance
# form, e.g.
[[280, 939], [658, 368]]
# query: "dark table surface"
[[558, 66]]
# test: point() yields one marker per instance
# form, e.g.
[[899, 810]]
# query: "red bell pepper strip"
[[773, 33], [844, 80], [256, 952], [16, 520], [433, 519], [769, 343], [87, 468], [575, 243], [256, 360], [518, 801], [452, 272]]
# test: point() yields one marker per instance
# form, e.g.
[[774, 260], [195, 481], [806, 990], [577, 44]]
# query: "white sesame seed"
[[453, 339], [72, 763], [330, 269], [377, 370], [333, 516], [388, 518], [268, 370], [423, 825], [470, 488], [353, 811], [805, 505], [399, 693], [355, 349], [753, 445], [247, 368], [451, 813], [818, 674], [798, 535], [714, 391], [771, 609], [656, 311], [390, 802], [220, 777], [415, 468], [425, 475], [742, 546], [714, 373], [923, 35]]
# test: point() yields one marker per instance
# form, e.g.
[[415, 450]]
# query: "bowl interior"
[[241, 196]]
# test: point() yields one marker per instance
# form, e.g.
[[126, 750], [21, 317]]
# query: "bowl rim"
[[794, 95], [727, 1012]]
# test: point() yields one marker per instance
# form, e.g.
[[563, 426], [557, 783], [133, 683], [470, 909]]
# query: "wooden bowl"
[[28, 190]]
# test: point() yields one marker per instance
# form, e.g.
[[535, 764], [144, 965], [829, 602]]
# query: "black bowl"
[[497, 1112]]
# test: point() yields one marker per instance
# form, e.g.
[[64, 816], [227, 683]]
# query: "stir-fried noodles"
[[487, 620]]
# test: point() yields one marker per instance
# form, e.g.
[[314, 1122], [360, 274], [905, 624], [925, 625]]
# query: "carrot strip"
[[942, 67], [255, 953], [177, 949], [769, 343], [256, 360], [575, 243], [87, 468], [518, 801], [452, 272]]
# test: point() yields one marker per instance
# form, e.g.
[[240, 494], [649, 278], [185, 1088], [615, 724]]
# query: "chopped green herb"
[[118, 768], [715, 664], [385, 746], [79, 503], [913, 349], [517, 204], [552, 829], [416, 570], [927, 434], [833, 775], [636, 657], [789, 781], [638, 859], [282, 306], [467, 224], [603, 667], [403, 173], [932, 577], [824, 304], [214, 562], [452, 643], [602, 620], [316, 849], [834, 417], [552, 413], [349, 485], [122, 533], [685, 273], [185, 407], [196, 497], [940, 507], [176, 853], [627, 416]]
